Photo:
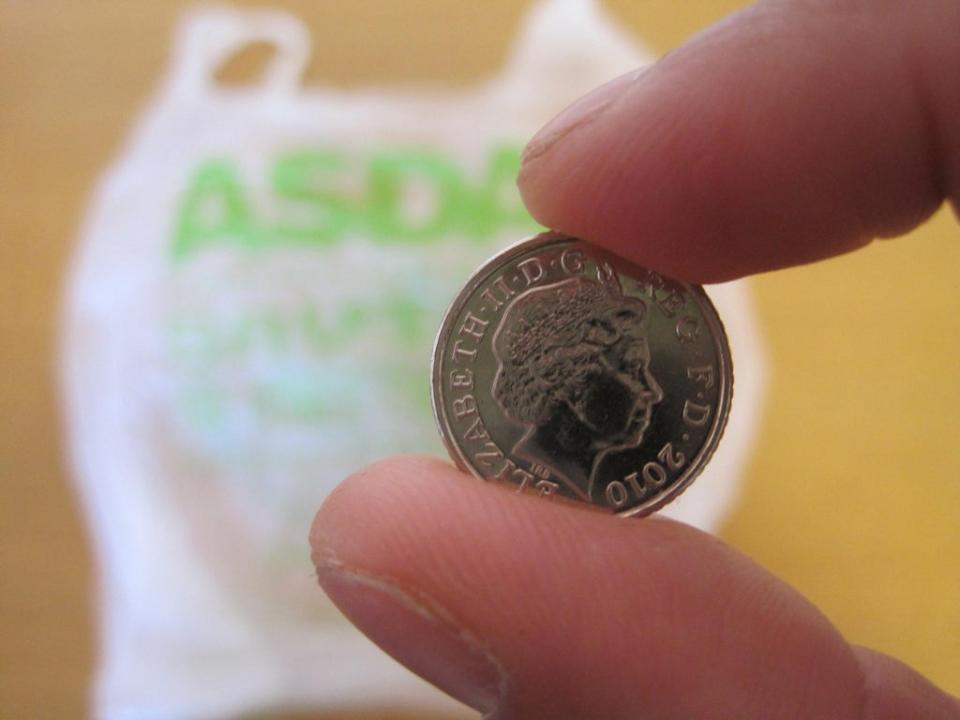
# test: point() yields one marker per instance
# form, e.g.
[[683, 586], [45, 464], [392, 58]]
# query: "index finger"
[[791, 132]]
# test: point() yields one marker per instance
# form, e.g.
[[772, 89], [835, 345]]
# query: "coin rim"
[[718, 333]]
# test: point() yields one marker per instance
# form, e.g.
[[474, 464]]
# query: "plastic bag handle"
[[575, 3], [208, 35]]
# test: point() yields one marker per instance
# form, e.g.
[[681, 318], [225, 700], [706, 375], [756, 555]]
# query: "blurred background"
[[853, 486]]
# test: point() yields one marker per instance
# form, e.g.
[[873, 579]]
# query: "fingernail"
[[419, 634], [581, 113]]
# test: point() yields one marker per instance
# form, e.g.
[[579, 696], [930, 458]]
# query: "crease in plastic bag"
[[249, 318]]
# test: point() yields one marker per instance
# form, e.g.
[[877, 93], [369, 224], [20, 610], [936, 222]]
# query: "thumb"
[[524, 608]]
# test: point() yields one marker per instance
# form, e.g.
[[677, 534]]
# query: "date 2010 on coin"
[[566, 371]]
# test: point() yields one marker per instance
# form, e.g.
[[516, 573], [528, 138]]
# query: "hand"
[[789, 133]]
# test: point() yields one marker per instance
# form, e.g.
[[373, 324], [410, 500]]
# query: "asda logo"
[[319, 197]]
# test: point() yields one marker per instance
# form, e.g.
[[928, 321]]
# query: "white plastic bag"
[[249, 318]]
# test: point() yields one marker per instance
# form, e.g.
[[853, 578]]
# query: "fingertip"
[[781, 137], [376, 494], [561, 601]]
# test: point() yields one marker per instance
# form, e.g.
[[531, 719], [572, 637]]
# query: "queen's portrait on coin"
[[573, 367]]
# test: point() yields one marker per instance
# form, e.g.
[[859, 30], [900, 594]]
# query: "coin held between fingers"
[[565, 371]]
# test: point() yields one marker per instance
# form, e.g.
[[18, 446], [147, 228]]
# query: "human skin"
[[788, 133]]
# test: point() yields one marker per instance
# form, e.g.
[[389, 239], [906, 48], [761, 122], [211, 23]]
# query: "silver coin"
[[567, 372]]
